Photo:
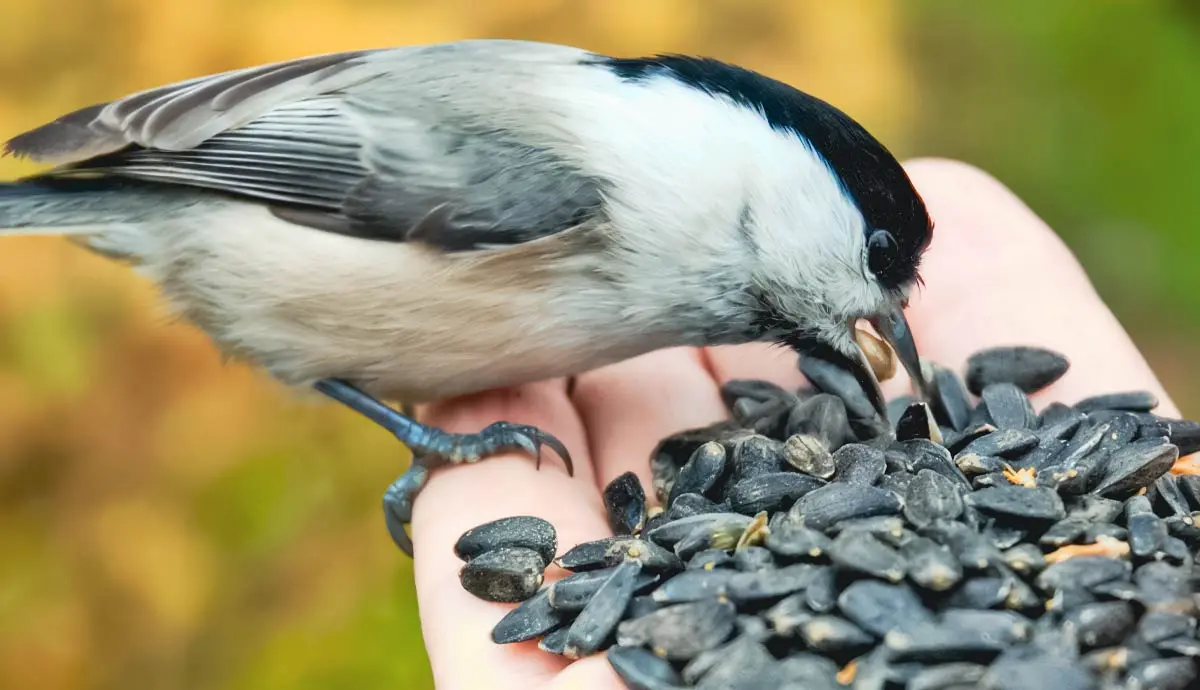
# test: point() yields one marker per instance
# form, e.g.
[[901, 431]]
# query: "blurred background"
[[171, 521]]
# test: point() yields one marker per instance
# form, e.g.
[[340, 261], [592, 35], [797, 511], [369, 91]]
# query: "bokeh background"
[[168, 520]]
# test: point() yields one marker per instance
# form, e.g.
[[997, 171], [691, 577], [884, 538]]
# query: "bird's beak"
[[893, 328], [844, 352]]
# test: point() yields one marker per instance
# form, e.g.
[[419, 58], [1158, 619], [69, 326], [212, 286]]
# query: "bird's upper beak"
[[847, 355], [893, 328]]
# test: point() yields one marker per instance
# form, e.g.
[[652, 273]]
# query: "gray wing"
[[418, 144]]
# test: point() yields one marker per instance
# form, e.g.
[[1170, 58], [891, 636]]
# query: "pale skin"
[[995, 274]]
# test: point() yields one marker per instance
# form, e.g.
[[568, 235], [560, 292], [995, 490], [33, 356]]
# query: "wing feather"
[[369, 143]]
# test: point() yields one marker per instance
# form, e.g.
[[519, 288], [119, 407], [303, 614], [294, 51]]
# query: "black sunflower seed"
[[605, 553], [1102, 624], [764, 585], [1135, 466], [832, 378], [931, 496], [1029, 368], [681, 631], [1162, 674], [770, 492], [671, 533], [917, 422], [932, 566], [625, 501], [755, 455], [858, 463], [1083, 572], [1008, 407], [701, 473], [822, 591], [822, 416], [599, 618], [1019, 503], [573, 592], [508, 574], [555, 642], [786, 615], [952, 676], [523, 531], [1032, 669], [833, 635], [792, 539], [1156, 626], [531, 619], [860, 551], [687, 505], [1003, 443], [1129, 401], [950, 404], [825, 507], [641, 669], [710, 559], [880, 608], [753, 558], [739, 666]]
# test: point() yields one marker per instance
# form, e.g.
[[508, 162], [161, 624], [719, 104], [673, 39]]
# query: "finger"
[[456, 625], [996, 274], [756, 361], [627, 408]]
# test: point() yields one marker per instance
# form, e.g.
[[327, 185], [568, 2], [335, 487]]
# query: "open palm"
[[995, 275]]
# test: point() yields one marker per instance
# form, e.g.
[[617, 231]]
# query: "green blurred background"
[[171, 521]]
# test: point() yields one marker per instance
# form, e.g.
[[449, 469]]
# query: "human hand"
[[994, 275]]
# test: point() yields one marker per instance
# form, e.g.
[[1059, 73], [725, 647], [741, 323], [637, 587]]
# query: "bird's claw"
[[439, 448]]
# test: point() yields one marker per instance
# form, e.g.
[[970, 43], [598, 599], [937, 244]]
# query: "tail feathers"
[[60, 206]]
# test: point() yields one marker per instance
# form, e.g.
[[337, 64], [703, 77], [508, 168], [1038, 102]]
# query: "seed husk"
[[810, 455], [1029, 368], [508, 574], [625, 501], [522, 531]]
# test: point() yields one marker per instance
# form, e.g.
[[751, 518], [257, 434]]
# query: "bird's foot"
[[433, 447]]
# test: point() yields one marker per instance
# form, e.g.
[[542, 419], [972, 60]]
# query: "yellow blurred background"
[[168, 520]]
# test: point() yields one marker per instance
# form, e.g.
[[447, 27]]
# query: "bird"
[[416, 223]]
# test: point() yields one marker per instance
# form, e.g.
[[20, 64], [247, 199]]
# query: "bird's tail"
[[64, 206]]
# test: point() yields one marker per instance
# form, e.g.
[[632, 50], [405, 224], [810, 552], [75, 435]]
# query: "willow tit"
[[424, 222]]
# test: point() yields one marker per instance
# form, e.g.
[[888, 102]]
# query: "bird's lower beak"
[[893, 328]]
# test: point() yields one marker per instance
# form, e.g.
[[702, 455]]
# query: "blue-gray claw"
[[398, 504], [431, 447]]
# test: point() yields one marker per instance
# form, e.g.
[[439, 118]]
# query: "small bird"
[[418, 223]]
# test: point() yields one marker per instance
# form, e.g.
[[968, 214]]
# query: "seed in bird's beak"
[[879, 354]]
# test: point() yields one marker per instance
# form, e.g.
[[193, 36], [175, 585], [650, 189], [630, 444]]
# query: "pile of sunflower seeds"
[[807, 544]]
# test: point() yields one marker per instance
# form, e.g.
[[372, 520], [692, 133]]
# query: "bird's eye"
[[881, 252]]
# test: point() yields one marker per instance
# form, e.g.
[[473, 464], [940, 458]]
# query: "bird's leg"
[[432, 448]]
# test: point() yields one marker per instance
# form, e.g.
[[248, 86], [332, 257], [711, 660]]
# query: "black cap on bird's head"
[[881, 238]]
